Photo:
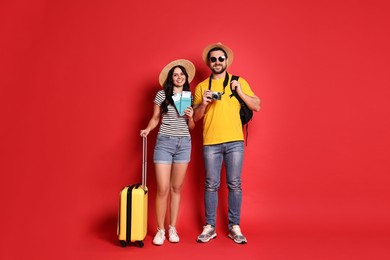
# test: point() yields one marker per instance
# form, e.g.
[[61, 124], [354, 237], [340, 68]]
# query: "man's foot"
[[236, 235], [207, 234]]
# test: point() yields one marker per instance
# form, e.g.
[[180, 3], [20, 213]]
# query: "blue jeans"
[[232, 153], [172, 149]]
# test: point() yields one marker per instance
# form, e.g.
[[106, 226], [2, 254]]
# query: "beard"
[[218, 69]]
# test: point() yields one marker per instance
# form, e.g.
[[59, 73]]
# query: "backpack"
[[245, 113]]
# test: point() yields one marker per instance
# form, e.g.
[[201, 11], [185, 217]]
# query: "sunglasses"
[[220, 59]]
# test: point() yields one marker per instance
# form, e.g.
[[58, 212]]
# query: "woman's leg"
[[177, 179], [163, 176]]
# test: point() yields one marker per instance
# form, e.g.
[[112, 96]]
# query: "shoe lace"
[[172, 232], [161, 233], [206, 229], [237, 230]]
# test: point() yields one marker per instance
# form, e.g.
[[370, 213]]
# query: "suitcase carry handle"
[[144, 160]]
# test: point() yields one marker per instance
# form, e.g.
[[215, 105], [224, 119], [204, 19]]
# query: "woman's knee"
[[163, 192], [176, 189]]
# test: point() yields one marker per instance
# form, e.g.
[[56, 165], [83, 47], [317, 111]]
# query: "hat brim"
[[188, 65], [229, 52]]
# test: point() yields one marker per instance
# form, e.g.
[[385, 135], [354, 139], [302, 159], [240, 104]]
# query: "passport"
[[185, 101], [182, 101]]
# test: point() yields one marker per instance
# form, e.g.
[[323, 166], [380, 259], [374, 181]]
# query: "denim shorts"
[[172, 149]]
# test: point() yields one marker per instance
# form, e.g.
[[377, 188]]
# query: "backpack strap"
[[234, 92]]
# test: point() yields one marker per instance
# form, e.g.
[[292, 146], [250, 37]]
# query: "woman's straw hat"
[[188, 65]]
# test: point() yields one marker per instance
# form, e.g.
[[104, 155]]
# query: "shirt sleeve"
[[198, 96], [245, 87], [160, 97]]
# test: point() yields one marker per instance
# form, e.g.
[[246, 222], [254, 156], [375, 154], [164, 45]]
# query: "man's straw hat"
[[228, 51]]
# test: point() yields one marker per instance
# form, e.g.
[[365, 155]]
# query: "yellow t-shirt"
[[221, 122]]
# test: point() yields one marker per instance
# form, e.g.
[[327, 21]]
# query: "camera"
[[216, 95]]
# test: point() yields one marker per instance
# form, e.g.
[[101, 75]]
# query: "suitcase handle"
[[144, 160]]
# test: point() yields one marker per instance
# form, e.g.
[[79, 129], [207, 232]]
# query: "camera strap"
[[225, 82]]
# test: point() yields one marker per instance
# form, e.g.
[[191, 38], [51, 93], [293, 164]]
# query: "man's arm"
[[253, 102]]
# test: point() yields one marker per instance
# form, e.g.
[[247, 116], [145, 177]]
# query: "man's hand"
[[207, 97]]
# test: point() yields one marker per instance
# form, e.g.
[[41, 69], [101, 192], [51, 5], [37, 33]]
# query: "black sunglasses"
[[214, 59]]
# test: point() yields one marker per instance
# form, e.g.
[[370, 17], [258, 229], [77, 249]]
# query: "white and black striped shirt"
[[171, 123]]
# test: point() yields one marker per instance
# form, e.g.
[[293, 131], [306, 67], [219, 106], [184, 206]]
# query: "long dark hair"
[[168, 88]]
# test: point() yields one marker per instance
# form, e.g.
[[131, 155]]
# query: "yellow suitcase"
[[133, 209]]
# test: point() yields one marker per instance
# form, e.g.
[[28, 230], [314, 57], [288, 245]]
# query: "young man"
[[223, 138]]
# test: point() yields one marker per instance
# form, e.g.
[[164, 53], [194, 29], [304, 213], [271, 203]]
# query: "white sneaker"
[[159, 237], [173, 237]]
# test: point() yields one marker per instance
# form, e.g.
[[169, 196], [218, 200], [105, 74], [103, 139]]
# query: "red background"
[[77, 82]]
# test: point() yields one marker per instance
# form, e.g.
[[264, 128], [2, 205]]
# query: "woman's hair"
[[168, 88]]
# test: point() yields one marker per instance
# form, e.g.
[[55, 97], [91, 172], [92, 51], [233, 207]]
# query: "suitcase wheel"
[[123, 243], [140, 243]]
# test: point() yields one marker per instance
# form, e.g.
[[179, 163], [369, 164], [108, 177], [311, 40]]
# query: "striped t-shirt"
[[172, 123]]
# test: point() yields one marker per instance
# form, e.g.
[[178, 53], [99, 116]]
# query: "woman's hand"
[[189, 112], [144, 132]]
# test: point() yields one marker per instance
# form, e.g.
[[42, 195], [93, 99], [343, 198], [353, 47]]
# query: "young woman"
[[172, 151]]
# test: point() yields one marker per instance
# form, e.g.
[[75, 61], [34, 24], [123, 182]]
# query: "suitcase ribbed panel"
[[122, 214], [139, 214]]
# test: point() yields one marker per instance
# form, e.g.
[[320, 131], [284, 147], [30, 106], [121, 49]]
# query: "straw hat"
[[228, 51], [190, 68]]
